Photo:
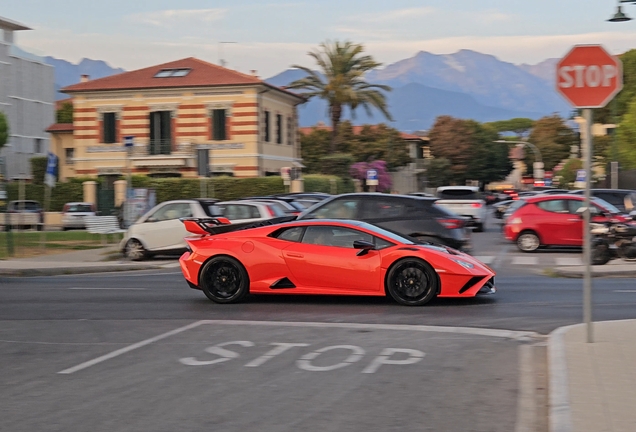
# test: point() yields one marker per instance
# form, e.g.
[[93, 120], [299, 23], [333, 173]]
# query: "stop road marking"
[[355, 354]]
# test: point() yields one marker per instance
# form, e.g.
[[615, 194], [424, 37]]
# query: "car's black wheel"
[[134, 250], [412, 282], [224, 280], [528, 241], [479, 227]]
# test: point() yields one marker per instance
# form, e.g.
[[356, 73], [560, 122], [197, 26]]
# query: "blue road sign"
[[580, 175], [372, 174], [129, 141]]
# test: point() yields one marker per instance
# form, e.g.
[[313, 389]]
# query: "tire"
[[134, 250], [479, 227], [223, 279], [600, 254], [528, 241], [412, 282]]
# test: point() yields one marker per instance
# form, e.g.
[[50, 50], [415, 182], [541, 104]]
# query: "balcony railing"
[[160, 147]]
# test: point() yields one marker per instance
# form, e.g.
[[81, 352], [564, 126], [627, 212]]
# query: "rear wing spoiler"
[[220, 225]]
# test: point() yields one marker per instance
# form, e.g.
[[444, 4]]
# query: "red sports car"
[[335, 257]]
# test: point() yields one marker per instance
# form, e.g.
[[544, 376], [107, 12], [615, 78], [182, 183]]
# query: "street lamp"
[[538, 172], [619, 16]]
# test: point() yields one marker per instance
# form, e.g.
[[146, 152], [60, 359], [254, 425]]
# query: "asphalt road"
[[142, 351]]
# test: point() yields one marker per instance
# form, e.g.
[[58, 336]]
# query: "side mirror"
[[364, 247]]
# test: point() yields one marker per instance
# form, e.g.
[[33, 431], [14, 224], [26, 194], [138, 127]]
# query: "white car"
[[160, 231], [74, 213]]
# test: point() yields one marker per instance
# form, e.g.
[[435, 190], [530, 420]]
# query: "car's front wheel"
[[528, 241], [224, 280], [412, 282], [134, 250]]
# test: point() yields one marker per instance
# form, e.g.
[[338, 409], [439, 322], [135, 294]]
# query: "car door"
[[556, 225], [326, 259], [162, 230]]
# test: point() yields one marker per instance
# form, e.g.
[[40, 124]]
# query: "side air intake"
[[282, 284], [471, 283]]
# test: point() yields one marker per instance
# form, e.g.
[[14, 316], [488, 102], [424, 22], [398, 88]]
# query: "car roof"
[[383, 195], [472, 188]]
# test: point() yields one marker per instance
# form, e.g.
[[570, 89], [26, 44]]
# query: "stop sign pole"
[[588, 77]]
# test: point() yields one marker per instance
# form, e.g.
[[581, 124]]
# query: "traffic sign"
[[129, 141], [588, 76], [580, 175], [372, 177]]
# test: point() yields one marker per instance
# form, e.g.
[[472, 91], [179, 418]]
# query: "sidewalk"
[[593, 385], [617, 268], [99, 260]]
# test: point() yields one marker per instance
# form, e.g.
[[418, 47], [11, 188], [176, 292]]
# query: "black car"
[[413, 216], [622, 199]]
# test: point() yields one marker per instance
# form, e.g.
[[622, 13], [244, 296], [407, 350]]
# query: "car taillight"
[[476, 205], [451, 223]]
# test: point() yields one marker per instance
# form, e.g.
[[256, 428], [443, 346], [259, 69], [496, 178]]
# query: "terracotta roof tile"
[[60, 127], [202, 74]]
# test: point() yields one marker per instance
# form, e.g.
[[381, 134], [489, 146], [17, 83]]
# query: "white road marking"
[[305, 361], [508, 334], [565, 261], [415, 356], [279, 349], [171, 265], [129, 348], [116, 289], [522, 260], [486, 259], [625, 291]]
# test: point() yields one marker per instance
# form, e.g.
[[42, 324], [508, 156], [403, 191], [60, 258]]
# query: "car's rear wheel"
[[412, 282], [134, 250], [528, 241], [479, 227], [224, 280]]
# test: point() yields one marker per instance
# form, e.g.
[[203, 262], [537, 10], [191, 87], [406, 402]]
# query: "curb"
[[74, 270], [560, 416], [576, 273]]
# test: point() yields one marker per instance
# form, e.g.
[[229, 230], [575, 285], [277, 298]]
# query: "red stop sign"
[[589, 77]]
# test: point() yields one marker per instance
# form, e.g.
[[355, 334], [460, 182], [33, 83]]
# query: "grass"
[[32, 243]]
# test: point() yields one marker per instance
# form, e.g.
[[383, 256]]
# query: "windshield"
[[393, 236], [464, 194], [607, 206], [80, 208]]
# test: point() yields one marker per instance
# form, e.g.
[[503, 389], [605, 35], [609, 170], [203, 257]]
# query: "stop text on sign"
[[349, 354], [580, 76]]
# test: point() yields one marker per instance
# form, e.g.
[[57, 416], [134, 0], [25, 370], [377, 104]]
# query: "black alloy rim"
[[411, 282], [224, 279]]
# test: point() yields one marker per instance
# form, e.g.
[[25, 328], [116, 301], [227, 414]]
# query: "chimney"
[[254, 73], [85, 78]]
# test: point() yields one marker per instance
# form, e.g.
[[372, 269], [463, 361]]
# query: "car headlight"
[[464, 264]]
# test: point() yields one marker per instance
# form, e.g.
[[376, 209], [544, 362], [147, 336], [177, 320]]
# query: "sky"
[[271, 36]]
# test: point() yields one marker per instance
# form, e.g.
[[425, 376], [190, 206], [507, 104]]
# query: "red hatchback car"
[[554, 220]]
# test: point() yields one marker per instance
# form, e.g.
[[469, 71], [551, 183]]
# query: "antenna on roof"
[[222, 61]]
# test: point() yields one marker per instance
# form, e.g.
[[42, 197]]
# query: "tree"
[[439, 172], [313, 147], [65, 113], [343, 67], [450, 138], [553, 138], [613, 112], [626, 137], [567, 174], [489, 161], [4, 130], [380, 142]]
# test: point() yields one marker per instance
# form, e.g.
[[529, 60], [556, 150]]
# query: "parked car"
[[73, 214], [417, 217], [334, 257], [465, 201], [554, 220], [240, 211], [159, 230], [25, 214], [622, 199]]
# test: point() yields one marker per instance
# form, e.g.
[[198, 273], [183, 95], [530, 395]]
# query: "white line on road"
[[96, 288], [129, 348], [564, 261], [520, 260], [509, 334], [625, 291]]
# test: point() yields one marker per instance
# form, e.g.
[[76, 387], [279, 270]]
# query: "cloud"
[[172, 17], [393, 15], [493, 16]]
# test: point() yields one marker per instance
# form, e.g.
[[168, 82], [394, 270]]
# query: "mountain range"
[[466, 84]]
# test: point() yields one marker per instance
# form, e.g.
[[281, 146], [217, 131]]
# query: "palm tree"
[[343, 67]]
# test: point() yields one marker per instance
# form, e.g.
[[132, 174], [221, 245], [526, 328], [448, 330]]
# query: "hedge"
[[223, 188]]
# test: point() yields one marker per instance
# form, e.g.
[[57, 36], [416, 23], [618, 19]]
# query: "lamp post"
[[619, 16], [537, 172]]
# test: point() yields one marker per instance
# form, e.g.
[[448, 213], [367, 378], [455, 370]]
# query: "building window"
[[160, 132], [69, 154], [37, 145], [218, 125], [290, 129], [167, 73], [109, 128], [279, 129], [266, 126]]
